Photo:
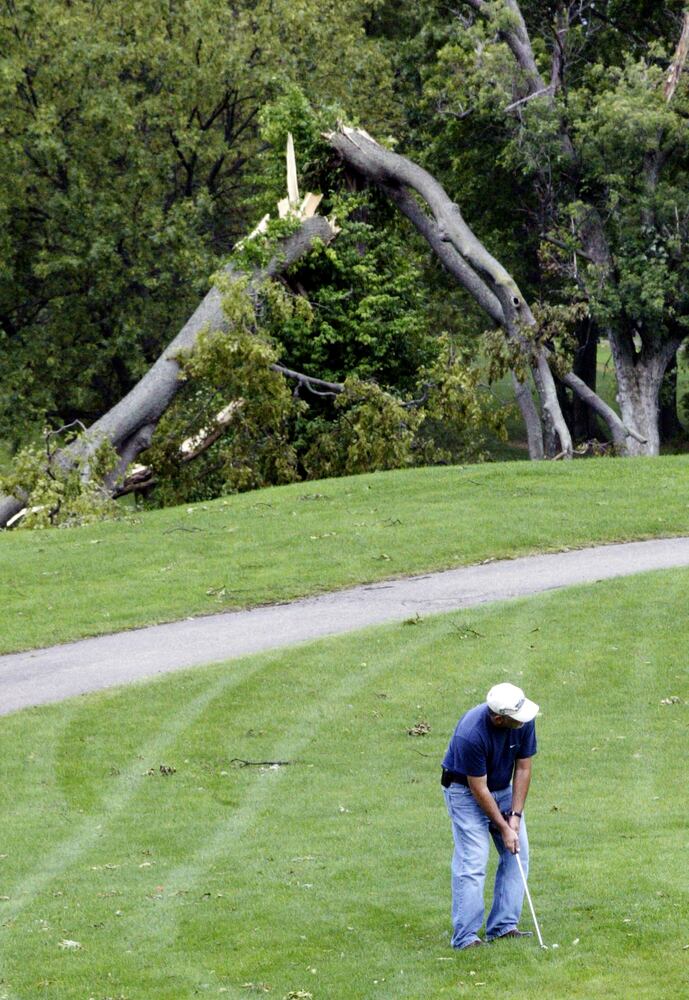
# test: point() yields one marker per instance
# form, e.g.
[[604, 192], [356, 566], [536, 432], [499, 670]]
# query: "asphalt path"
[[48, 675]]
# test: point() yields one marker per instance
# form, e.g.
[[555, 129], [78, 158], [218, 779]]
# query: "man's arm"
[[479, 789], [520, 788]]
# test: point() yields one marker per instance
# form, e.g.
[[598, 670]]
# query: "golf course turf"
[[144, 859], [291, 541]]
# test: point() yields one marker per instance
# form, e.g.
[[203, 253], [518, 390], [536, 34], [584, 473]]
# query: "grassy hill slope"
[[282, 543]]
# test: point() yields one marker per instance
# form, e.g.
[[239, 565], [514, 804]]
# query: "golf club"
[[528, 896]]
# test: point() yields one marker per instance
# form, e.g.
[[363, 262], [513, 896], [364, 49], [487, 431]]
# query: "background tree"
[[552, 124]]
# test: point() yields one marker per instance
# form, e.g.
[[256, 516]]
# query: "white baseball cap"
[[508, 699]]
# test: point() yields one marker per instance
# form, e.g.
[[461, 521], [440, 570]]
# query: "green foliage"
[[372, 432], [459, 415], [513, 165], [370, 315], [255, 450], [57, 494], [131, 162], [648, 223], [274, 437]]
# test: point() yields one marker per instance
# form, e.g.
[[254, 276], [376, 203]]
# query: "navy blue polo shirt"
[[478, 747]]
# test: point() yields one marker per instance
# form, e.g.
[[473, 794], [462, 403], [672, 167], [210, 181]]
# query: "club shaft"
[[528, 896]]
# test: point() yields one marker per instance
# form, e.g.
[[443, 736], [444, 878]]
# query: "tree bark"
[[532, 421], [639, 378], [482, 295], [130, 424]]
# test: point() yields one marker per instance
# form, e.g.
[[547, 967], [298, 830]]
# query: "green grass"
[[331, 874], [281, 543]]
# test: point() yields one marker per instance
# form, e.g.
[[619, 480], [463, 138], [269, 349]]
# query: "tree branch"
[[678, 62], [620, 432], [330, 389]]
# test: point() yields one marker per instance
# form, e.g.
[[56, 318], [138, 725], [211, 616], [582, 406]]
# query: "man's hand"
[[510, 837]]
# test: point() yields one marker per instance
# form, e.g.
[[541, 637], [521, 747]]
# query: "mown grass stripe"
[[220, 838], [115, 802]]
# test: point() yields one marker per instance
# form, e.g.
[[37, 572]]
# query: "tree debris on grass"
[[420, 729]]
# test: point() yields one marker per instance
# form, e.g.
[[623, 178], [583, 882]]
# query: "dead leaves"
[[420, 729]]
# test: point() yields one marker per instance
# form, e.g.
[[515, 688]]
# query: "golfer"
[[486, 777]]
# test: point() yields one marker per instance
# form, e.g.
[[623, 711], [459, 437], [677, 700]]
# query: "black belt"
[[453, 778]]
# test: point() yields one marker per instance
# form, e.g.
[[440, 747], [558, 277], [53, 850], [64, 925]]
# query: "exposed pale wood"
[[292, 182], [309, 205], [196, 445], [260, 228], [679, 60]]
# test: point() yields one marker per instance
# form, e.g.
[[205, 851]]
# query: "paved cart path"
[[48, 675]]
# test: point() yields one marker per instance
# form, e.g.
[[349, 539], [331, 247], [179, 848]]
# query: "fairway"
[[175, 872]]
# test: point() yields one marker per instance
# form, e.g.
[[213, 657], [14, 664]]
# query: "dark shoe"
[[472, 944], [514, 933]]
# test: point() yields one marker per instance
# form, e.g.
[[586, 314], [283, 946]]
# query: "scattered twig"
[[530, 97], [464, 631], [259, 763], [416, 620]]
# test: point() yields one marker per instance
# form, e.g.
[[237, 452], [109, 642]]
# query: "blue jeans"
[[470, 830]]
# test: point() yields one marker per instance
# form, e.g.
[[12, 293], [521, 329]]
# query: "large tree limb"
[[480, 292], [150, 397], [129, 425], [620, 432], [395, 173], [485, 279]]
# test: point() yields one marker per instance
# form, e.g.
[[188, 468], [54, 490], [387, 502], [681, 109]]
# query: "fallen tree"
[[130, 424]]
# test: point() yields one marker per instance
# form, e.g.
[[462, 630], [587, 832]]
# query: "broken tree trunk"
[[130, 424], [484, 277]]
